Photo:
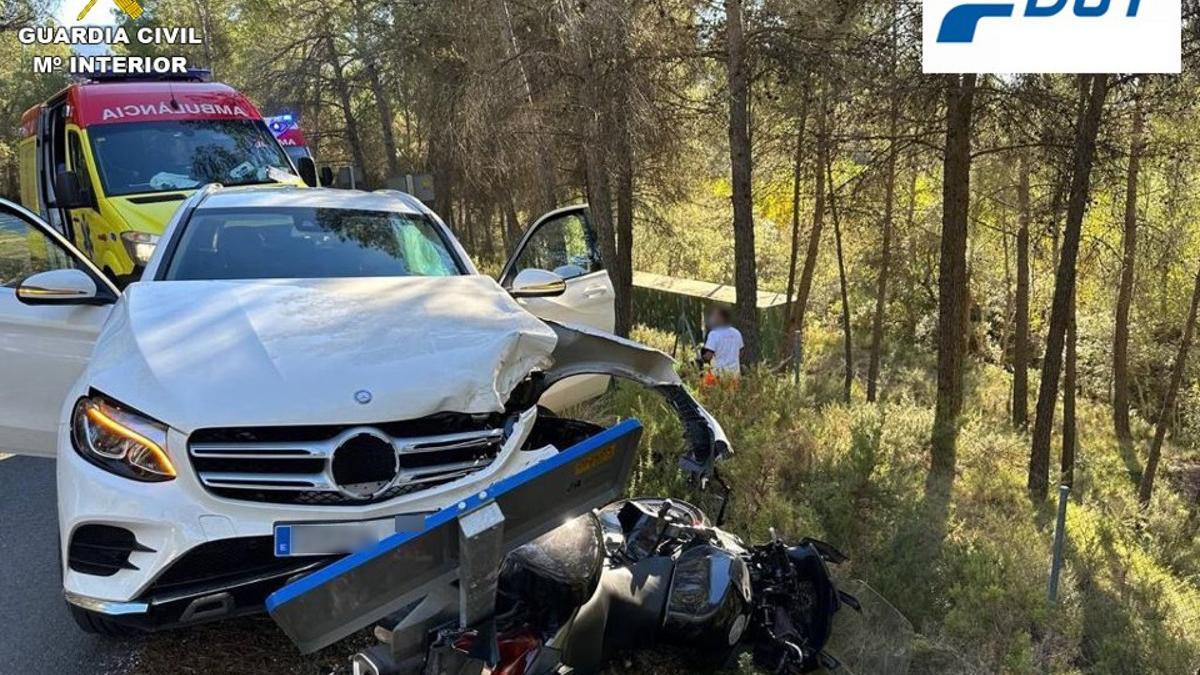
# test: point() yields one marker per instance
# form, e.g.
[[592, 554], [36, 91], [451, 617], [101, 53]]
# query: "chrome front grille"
[[373, 462]]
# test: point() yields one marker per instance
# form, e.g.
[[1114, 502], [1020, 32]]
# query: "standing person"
[[722, 348]]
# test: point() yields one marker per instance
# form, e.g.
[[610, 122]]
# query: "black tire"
[[99, 624]]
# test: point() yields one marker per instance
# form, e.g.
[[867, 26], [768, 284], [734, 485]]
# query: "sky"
[[100, 15]]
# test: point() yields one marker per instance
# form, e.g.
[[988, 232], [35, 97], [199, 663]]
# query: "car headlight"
[[139, 245], [121, 441]]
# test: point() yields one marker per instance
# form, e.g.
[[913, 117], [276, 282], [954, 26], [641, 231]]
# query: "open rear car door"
[[53, 302], [563, 242]]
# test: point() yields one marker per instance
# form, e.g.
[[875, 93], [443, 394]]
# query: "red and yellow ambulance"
[[108, 161], [287, 132]]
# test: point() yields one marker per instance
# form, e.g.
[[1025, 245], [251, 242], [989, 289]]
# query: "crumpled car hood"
[[199, 354]]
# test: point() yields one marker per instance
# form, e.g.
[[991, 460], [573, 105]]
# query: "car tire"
[[99, 624]]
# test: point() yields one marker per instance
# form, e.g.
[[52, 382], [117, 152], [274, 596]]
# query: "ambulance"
[[287, 131], [108, 160]]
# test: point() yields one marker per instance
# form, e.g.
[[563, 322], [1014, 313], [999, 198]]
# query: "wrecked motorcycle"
[[640, 573], [549, 571]]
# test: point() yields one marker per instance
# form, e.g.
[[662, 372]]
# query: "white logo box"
[[1150, 42]]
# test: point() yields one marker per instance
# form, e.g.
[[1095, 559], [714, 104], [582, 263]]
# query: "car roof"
[[322, 198]]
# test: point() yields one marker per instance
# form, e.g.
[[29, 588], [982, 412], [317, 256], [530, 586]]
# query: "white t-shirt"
[[725, 342]]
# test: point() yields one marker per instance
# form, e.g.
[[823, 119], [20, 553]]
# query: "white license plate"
[[298, 539]]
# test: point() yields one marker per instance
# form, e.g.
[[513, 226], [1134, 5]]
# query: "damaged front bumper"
[[581, 350], [138, 598]]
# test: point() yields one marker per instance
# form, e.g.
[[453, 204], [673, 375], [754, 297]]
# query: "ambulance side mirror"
[[308, 171], [326, 175], [69, 192]]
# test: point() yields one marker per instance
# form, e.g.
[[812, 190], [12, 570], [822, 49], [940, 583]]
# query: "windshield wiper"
[[264, 181]]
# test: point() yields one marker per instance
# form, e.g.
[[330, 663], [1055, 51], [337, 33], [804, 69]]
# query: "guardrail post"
[[797, 356], [1060, 528]]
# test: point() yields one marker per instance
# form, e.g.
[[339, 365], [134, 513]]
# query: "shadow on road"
[[39, 635]]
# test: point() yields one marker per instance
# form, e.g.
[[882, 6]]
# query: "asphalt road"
[[37, 634]]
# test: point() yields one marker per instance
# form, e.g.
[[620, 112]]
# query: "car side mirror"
[[62, 287], [69, 193], [326, 175], [535, 283], [308, 171]]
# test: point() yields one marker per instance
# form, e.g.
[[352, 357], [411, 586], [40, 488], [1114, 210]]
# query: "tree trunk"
[[889, 197], [469, 223], [314, 141], [952, 274], [512, 226], [1120, 350], [906, 248], [1006, 327], [885, 256], [814, 236], [1069, 436], [599, 194], [383, 101], [622, 269], [545, 163], [1064, 285], [342, 88], [383, 105], [1146, 486], [745, 271], [847, 342], [1021, 356], [623, 170], [443, 179], [793, 258], [205, 34], [1055, 210], [595, 124]]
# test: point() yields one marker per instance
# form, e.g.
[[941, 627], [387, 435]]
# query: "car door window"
[[25, 250], [79, 164], [565, 245]]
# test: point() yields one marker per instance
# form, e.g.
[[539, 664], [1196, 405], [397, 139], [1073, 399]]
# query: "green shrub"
[[970, 572]]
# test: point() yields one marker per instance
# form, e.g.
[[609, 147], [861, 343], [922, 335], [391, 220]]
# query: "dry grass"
[[969, 570]]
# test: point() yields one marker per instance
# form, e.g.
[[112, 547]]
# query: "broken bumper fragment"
[[581, 350]]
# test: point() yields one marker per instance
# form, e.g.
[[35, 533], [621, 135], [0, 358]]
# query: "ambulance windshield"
[[297, 152], [165, 156]]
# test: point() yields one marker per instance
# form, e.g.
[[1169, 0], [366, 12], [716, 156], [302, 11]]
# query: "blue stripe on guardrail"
[[307, 583]]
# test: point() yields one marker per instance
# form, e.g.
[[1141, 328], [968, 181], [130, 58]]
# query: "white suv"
[[324, 363]]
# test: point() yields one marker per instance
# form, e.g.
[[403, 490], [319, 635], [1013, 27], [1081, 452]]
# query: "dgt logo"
[[1046, 36], [960, 22]]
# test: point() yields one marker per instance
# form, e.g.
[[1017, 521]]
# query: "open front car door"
[[562, 245], [53, 302]]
